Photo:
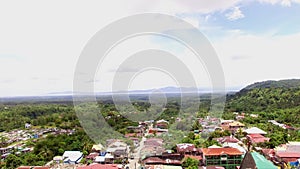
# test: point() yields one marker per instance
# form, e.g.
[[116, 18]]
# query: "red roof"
[[157, 160], [287, 160], [288, 154], [24, 167], [220, 151], [257, 138], [227, 139], [154, 160], [92, 155], [99, 166]]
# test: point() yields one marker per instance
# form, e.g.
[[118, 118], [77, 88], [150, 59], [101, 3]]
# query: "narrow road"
[[133, 163]]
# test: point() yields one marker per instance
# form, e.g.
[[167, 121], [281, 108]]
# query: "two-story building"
[[229, 158]]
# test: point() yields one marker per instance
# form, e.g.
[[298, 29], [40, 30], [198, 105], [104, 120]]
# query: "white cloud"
[[250, 58], [193, 21], [179, 6], [41, 41], [286, 3], [235, 14]]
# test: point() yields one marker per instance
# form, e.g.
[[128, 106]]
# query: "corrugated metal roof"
[[219, 151], [262, 162]]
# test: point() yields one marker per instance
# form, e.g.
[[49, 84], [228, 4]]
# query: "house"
[[186, 148], [240, 117], [3, 156], [235, 145], [156, 160], [97, 148], [254, 115], [58, 159], [109, 158], [4, 150], [235, 126], [116, 143], [255, 130], [136, 129], [27, 125], [293, 146], [248, 162], [162, 167], [287, 153], [154, 142], [72, 157], [226, 139], [287, 157], [162, 124], [257, 138], [92, 156], [118, 152], [226, 122], [99, 159], [255, 160], [157, 131], [149, 150], [229, 158], [172, 156], [152, 147], [118, 149], [231, 125]]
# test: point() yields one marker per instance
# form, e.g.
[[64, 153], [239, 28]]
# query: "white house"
[[72, 157]]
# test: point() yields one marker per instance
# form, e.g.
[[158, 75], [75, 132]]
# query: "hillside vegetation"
[[273, 100]]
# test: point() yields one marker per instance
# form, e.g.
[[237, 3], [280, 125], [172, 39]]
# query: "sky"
[[41, 41]]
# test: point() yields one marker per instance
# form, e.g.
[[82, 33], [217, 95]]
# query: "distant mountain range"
[[234, 94], [169, 89]]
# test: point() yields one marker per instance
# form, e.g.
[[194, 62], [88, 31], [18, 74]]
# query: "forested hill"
[[292, 83], [268, 96]]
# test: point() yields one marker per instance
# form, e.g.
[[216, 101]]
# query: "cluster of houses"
[[284, 126], [230, 153], [283, 155], [31, 133], [17, 149], [15, 139], [160, 127]]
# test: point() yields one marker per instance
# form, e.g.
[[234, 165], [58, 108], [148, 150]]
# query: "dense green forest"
[[53, 115], [272, 100]]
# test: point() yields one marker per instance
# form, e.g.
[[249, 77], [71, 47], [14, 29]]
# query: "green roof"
[[262, 162]]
